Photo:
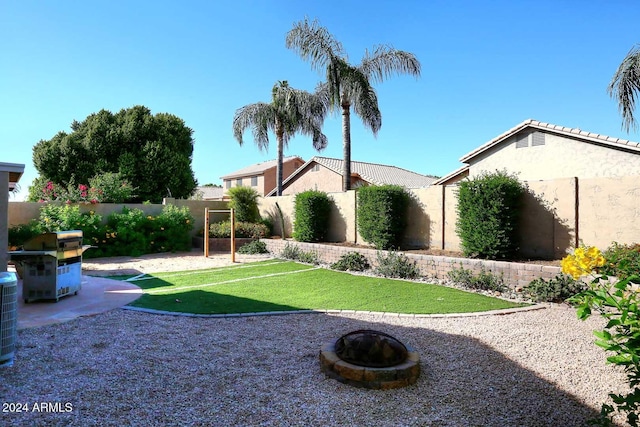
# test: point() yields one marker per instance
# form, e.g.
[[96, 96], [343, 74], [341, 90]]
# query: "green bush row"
[[129, 232], [249, 230]]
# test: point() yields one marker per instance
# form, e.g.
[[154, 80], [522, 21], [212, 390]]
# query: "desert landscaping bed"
[[128, 368]]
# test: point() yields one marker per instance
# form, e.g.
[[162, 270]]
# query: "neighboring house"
[[325, 174], [208, 192], [261, 176], [535, 150]]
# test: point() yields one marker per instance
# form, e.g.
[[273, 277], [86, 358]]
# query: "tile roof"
[[460, 171], [373, 173], [258, 168], [617, 143], [209, 192]]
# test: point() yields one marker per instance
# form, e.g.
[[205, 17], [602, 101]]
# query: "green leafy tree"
[[349, 85], [152, 153], [290, 111], [624, 87]]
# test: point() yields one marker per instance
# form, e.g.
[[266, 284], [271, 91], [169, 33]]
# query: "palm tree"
[[348, 85], [624, 86], [290, 111]]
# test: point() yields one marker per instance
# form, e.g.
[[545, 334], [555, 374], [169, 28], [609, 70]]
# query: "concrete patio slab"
[[97, 295]]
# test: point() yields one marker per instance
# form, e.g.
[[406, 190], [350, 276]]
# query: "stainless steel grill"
[[51, 265]]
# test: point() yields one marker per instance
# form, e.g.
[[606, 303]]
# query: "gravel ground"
[[121, 368]]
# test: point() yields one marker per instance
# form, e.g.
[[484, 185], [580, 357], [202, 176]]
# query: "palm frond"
[[625, 85], [260, 117], [313, 43], [385, 61], [359, 93]]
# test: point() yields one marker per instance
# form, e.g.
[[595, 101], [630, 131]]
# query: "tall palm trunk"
[[279, 131], [346, 145]]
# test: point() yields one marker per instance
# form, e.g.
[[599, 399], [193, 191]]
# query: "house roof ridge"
[[591, 136]]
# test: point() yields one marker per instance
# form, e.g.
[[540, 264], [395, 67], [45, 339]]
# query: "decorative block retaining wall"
[[515, 274]]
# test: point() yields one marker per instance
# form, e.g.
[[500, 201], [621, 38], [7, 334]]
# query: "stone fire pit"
[[370, 359]]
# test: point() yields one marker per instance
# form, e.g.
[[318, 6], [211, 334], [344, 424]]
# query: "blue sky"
[[486, 66]]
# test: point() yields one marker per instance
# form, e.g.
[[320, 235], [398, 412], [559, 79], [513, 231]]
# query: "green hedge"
[[311, 222], [488, 213], [129, 232], [251, 230], [382, 215]]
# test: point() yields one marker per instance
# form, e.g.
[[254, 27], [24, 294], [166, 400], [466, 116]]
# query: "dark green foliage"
[[488, 215], [244, 200], [150, 152], [352, 261], [622, 261], [397, 265], [382, 215], [485, 280], [312, 210], [242, 229], [557, 289], [129, 232], [255, 247], [294, 253], [171, 230], [18, 234]]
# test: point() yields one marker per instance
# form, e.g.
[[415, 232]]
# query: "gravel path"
[[121, 368]]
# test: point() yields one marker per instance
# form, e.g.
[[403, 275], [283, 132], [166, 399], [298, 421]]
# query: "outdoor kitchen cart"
[[51, 265]]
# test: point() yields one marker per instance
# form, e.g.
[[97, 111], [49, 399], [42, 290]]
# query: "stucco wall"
[[609, 210], [323, 179], [557, 215], [559, 157]]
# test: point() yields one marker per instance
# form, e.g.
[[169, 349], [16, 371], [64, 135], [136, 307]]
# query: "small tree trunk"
[[346, 146]]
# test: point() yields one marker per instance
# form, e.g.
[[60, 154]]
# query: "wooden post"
[[206, 232], [233, 236]]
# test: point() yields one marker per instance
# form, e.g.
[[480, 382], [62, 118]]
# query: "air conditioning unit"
[[8, 317]]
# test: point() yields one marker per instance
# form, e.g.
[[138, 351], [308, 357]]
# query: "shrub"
[[171, 230], [242, 229], [129, 233], [311, 222], [294, 253], [488, 213], [254, 247], [485, 280], [352, 261], [110, 188], [382, 215], [618, 305], [397, 265], [557, 289], [622, 261], [244, 201], [18, 234]]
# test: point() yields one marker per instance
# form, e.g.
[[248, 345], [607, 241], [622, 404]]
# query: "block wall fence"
[[557, 215], [515, 274]]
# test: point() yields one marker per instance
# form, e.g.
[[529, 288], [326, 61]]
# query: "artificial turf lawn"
[[277, 285]]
